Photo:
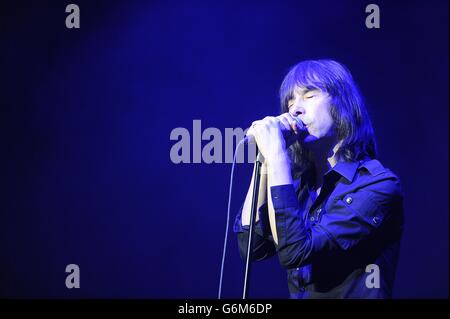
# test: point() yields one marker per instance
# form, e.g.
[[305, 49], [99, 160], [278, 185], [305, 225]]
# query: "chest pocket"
[[363, 204], [352, 217]]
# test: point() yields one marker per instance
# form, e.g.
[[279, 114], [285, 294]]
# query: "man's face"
[[312, 106]]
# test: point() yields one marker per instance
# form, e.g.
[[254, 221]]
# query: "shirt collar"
[[346, 169], [373, 166]]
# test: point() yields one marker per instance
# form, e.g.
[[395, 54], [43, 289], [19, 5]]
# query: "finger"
[[285, 122], [250, 131], [269, 118], [296, 122], [257, 123], [294, 127], [291, 123]]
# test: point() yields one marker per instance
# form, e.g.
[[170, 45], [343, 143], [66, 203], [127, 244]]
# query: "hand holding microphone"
[[274, 134], [291, 127]]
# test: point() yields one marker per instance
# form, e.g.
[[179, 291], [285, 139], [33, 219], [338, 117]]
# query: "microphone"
[[250, 139]]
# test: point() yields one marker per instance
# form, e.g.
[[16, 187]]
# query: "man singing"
[[330, 210]]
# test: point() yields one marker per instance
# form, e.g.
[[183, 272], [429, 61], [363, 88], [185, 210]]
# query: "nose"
[[297, 110]]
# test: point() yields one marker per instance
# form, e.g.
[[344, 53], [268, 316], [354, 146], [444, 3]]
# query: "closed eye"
[[310, 94]]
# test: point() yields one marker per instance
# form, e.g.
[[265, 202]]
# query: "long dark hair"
[[352, 123]]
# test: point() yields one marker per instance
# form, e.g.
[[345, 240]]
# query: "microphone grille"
[[299, 122]]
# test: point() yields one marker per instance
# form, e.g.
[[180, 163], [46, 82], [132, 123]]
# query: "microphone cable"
[[228, 218]]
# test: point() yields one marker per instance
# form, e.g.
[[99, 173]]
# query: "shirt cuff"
[[283, 196]]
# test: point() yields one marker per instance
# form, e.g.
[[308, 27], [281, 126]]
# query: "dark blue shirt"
[[342, 244]]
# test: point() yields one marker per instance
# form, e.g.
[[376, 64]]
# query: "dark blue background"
[[86, 117]]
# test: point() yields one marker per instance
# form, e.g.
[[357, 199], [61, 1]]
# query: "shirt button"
[[312, 218], [376, 220], [349, 200]]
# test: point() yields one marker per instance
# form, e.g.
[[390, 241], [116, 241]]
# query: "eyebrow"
[[305, 90]]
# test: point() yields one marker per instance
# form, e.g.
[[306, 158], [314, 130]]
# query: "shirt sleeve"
[[347, 221], [263, 244]]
